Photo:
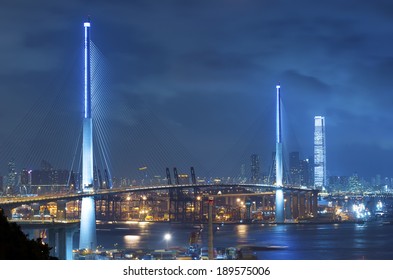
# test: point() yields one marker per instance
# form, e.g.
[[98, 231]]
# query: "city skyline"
[[208, 73]]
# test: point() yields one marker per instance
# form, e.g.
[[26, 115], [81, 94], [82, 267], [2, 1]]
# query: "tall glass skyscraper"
[[294, 168], [319, 153], [255, 168]]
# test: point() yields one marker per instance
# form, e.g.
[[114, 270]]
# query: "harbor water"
[[341, 241]]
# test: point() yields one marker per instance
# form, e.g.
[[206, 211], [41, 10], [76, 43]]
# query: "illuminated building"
[[319, 153], [11, 178], [304, 172]]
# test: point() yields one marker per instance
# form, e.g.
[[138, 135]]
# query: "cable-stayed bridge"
[[91, 146]]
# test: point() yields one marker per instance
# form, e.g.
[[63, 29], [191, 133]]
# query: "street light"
[[167, 237]]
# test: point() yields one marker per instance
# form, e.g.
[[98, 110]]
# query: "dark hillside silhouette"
[[15, 245]]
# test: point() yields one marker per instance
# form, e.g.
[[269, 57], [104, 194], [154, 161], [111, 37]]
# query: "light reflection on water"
[[241, 232], [329, 241], [132, 241]]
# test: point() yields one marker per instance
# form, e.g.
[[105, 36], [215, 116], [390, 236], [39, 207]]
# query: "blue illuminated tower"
[[320, 181], [87, 238], [279, 169]]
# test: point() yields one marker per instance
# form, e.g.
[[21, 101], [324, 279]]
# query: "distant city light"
[[360, 211], [379, 206]]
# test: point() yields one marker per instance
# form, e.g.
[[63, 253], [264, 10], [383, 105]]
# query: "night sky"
[[193, 82]]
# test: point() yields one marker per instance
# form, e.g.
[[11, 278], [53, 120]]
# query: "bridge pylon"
[[279, 166], [87, 239]]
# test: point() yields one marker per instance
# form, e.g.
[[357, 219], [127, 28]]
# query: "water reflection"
[[242, 232], [334, 241], [143, 224], [131, 241]]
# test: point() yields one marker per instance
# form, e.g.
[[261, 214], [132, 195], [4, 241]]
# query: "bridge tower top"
[[87, 146], [279, 165]]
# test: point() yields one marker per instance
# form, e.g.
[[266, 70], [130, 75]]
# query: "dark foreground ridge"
[[15, 245]]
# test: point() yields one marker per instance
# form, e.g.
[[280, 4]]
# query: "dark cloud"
[[202, 74]]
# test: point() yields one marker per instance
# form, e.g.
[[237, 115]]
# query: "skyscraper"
[[11, 179], [319, 153], [294, 168], [304, 172], [255, 168]]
